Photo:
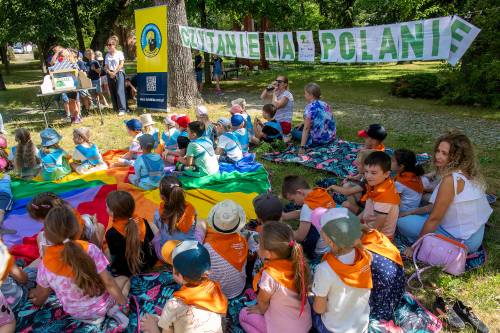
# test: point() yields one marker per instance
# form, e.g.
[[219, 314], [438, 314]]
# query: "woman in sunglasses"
[[113, 65], [282, 99]]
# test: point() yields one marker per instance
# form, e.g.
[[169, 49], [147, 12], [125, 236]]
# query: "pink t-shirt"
[[72, 298], [282, 315]]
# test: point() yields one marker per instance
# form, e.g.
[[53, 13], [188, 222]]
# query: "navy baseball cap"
[[237, 120], [133, 124]]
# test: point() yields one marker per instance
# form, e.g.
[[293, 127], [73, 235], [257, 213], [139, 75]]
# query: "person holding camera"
[[282, 99]]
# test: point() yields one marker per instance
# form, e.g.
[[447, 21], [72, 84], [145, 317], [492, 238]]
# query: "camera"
[[270, 87]]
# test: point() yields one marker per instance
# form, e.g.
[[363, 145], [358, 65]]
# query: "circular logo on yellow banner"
[[150, 40]]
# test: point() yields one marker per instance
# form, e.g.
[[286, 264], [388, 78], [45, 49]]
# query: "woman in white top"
[[113, 65], [283, 101], [459, 208]]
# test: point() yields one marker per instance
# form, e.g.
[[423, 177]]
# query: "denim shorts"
[[97, 85], [199, 76]]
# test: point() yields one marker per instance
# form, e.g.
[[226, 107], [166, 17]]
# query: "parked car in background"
[[18, 50]]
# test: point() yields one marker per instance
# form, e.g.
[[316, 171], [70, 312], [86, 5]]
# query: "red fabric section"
[[286, 127]]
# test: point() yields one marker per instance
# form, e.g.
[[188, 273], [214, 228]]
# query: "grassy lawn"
[[361, 85]]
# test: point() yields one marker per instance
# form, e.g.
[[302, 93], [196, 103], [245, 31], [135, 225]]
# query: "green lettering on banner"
[[201, 39], [242, 45], [210, 46], [364, 47], [347, 45], [221, 46], [185, 36], [328, 42], [271, 46], [253, 45], [230, 44], [455, 26], [192, 37], [288, 52], [387, 45], [436, 32], [416, 42]]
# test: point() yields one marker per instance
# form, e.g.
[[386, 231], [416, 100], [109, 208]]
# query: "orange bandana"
[[378, 243], [379, 147], [279, 269], [207, 295], [121, 224], [385, 192], [357, 275], [232, 247], [185, 222], [319, 197], [53, 260], [411, 180]]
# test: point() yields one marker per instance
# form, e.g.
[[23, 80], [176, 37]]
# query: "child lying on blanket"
[[270, 130], [77, 272], [86, 156], [24, 156], [171, 155], [149, 166], [199, 305], [374, 137], [228, 146], [134, 130], [54, 159]]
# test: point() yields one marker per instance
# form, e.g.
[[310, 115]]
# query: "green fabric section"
[[26, 188], [247, 182]]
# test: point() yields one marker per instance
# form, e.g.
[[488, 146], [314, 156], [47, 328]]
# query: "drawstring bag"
[[438, 250]]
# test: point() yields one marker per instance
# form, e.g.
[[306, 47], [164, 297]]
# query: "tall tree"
[[105, 21], [78, 25], [202, 7]]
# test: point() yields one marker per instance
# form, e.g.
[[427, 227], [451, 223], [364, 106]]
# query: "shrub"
[[421, 85]]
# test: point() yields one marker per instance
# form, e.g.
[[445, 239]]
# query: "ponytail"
[[408, 159], [133, 251], [174, 201], [302, 272]]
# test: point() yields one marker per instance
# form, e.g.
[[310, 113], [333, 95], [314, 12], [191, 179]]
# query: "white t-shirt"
[[113, 60], [306, 216], [284, 114], [347, 308], [226, 143], [410, 199]]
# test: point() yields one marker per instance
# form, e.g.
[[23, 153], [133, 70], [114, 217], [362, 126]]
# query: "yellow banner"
[[151, 39]]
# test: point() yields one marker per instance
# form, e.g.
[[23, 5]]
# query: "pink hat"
[[3, 142], [236, 109]]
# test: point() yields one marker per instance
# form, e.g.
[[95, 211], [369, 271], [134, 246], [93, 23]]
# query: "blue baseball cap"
[[190, 259], [237, 120], [133, 124], [50, 137]]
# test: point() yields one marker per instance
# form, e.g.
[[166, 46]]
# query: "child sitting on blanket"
[[90, 230], [176, 218], [297, 190], [353, 187], [200, 159], [76, 271], [129, 238], [168, 137], [408, 179], [24, 156], [281, 285], [374, 137], [54, 159], [86, 156], [134, 130], [148, 127], [199, 305], [239, 130], [343, 280], [202, 115], [228, 146], [238, 106], [6, 201], [148, 167], [381, 198], [171, 156], [227, 247], [271, 129]]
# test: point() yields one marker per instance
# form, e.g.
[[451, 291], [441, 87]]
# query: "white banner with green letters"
[[442, 38]]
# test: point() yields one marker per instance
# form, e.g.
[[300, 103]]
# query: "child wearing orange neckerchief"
[[281, 285], [77, 272], [199, 305], [297, 190], [374, 137], [343, 280], [408, 179], [227, 247], [381, 197]]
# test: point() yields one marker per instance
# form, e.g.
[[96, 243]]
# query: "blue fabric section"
[[91, 153], [246, 164]]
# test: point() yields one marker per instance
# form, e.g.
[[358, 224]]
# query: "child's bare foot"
[[149, 324]]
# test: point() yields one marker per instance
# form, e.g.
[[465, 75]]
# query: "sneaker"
[[121, 113], [468, 316], [446, 312], [68, 119], [119, 316], [78, 120]]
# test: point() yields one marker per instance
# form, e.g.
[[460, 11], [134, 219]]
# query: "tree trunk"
[[264, 26], [105, 23], [78, 25], [182, 90], [5, 58], [2, 83], [202, 6]]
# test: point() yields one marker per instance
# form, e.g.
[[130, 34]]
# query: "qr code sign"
[[150, 83]]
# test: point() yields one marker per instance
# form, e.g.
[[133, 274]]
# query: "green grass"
[[366, 85]]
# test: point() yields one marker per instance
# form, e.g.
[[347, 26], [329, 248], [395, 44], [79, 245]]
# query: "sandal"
[[448, 314], [465, 312]]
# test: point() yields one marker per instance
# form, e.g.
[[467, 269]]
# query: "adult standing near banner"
[[282, 99], [113, 64]]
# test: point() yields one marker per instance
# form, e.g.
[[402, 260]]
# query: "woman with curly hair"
[[24, 156], [458, 206]]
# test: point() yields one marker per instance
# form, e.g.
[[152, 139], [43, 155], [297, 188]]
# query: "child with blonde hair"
[[54, 159], [281, 285], [24, 156], [86, 156], [148, 127], [167, 138], [202, 115]]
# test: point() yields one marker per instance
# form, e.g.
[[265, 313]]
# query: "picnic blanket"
[[336, 157]]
